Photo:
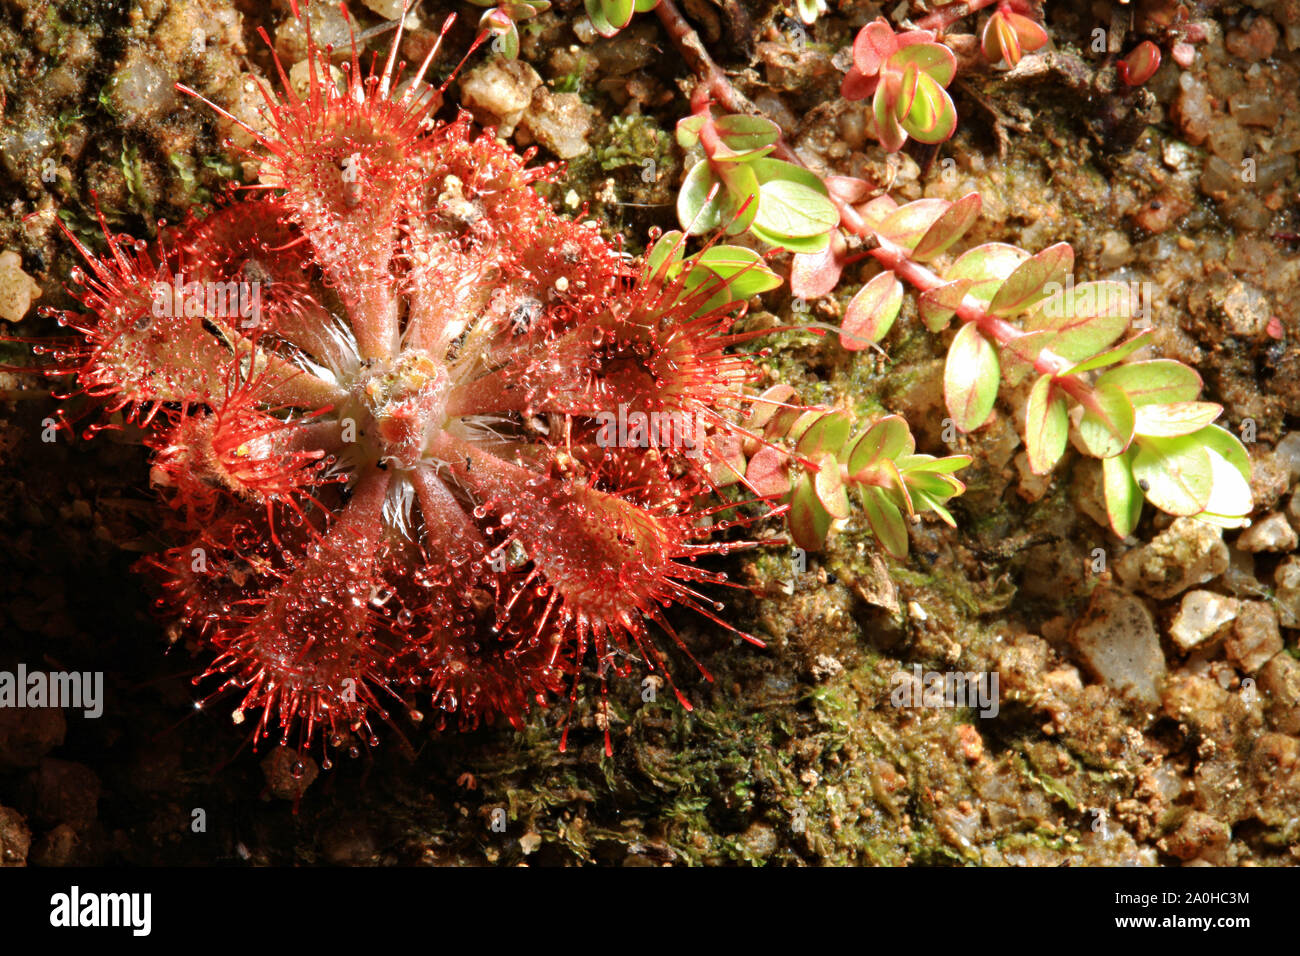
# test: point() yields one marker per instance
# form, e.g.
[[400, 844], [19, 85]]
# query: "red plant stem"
[[714, 87]]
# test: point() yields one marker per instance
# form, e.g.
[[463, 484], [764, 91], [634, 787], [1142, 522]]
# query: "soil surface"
[[1149, 689]]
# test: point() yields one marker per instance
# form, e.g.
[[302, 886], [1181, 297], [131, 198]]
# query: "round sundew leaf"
[[1112, 356], [1226, 444], [766, 405], [871, 312], [987, 266], [1159, 381], [1106, 428], [888, 439], [886, 520], [1026, 286], [933, 117], [948, 228], [1047, 426], [937, 306], [829, 486], [970, 378], [825, 436], [908, 225], [815, 274], [1123, 496], [1175, 473], [769, 472], [808, 521], [934, 60], [1175, 418]]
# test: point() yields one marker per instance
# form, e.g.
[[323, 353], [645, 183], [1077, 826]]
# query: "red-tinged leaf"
[[808, 521], [939, 305], [782, 421], [987, 266], [970, 378], [908, 225], [1141, 64], [1047, 426], [873, 45], [848, 189], [825, 436], [1112, 357], [932, 59], [887, 128], [745, 135], [769, 472], [1024, 288], [829, 485], [871, 312], [1018, 356], [1123, 496], [1157, 382], [815, 274], [1176, 418], [856, 85], [907, 89], [1085, 318], [933, 117], [948, 228], [1029, 33], [766, 405], [727, 463], [1106, 428], [877, 210], [886, 520], [888, 439], [1226, 444], [805, 421], [999, 41], [1176, 473]]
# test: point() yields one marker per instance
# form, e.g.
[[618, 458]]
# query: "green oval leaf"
[[987, 266], [948, 228], [871, 312], [1025, 287], [1175, 418], [826, 435], [888, 439], [1047, 426], [809, 522], [1175, 473], [1123, 496], [1159, 381], [937, 306], [970, 378], [886, 520], [1106, 428]]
